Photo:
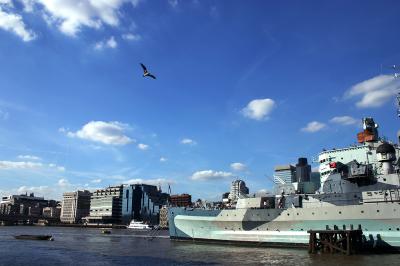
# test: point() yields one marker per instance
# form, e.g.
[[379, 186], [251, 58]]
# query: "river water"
[[83, 246]]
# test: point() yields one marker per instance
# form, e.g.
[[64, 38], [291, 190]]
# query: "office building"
[[75, 206]]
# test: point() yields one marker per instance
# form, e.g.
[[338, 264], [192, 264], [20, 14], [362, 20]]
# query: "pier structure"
[[332, 241]]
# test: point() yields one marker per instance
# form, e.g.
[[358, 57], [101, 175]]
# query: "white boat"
[[138, 225]]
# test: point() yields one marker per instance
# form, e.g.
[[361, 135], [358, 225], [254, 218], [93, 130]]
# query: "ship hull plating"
[[380, 223]]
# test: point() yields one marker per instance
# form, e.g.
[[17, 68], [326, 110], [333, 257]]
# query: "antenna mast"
[[398, 104]]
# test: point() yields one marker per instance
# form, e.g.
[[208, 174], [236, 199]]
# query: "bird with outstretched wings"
[[147, 73]]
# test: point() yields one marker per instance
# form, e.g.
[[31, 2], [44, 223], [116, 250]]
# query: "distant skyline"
[[241, 87]]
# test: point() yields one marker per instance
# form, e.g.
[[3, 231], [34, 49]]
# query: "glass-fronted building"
[[142, 202]]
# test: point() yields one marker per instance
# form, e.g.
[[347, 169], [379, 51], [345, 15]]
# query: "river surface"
[[83, 246]]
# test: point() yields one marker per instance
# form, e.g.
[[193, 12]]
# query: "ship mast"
[[398, 104]]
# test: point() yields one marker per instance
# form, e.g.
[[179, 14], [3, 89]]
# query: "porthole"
[[288, 214], [362, 211], [377, 210], [398, 229], [390, 229], [312, 213], [297, 213], [340, 212]]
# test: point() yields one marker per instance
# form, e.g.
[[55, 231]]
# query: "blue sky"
[[241, 86]]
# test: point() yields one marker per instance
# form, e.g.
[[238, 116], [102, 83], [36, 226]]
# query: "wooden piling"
[[332, 241]]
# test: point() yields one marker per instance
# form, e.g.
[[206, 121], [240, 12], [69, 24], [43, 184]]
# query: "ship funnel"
[[398, 136], [386, 154]]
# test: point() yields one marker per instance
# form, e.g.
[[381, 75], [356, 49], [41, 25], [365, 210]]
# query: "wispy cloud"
[[207, 175], [29, 157], [188, 141], [131, 37], [15, 165], [259, 109], [154, 182], [238, 166], [143, 147], [313, 127], [110, 43], [109, 133], [173, 3], [344, 120], [163, 159], [374, 92], [4, 115], [214, 12]]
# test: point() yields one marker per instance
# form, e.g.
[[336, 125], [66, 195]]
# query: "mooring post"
[[348, 249]]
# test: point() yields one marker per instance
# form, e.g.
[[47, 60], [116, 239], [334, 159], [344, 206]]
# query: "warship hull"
[[380, 223]]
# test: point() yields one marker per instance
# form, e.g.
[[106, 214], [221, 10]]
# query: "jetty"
[[332, 241]]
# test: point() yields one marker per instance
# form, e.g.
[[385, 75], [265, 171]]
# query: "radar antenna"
[[398, 104], [396, 75]]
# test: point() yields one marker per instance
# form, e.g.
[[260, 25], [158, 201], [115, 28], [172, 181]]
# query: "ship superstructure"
[[359, 189]]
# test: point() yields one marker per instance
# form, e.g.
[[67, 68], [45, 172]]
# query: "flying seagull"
[[147, 73]]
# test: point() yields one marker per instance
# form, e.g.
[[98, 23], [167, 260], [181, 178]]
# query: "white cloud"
[[344, 120], [154, 182], [110, 133], [39, 191], [7, 3], [163, 159], [238, 166], [131, 37], [12, 165], [59, 168], [313, 126], [63, 182], [187, 141], [258, 109], [110, 43], [96, 181], [71, 15], [29, 157], [28, 5], [143, 146], [210, 175], [14, 23], [8, 165], [374, 92]]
